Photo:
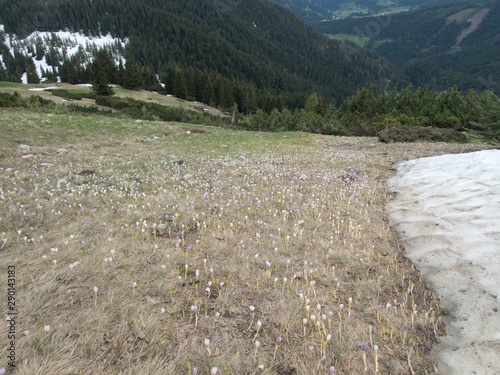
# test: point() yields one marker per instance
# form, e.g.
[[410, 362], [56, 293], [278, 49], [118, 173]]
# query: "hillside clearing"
[[42, 90]]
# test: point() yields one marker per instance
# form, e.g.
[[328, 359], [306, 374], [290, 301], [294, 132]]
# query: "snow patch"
[[42, 88], [66, 44], [447, 212]]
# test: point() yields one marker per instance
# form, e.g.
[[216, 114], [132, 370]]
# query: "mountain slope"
[[251, 41], [440, 46], [321, 10]]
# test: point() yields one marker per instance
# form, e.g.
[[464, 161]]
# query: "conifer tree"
[[180, 86], [150, 79], [99, 80], [132, 77]]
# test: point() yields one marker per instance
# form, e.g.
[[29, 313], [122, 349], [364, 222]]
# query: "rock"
[[138, 121], [187, 177], [79, 180], [24, 148], [147, 140], [61, 181], [46, 165], [303, 177], [161, 228], [29, 156], [155, 138], [353, 170], [188, 132], [62, 151], [179, 162], [102, 182]]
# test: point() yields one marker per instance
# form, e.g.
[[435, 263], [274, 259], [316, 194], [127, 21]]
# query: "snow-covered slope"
[[48, 49]]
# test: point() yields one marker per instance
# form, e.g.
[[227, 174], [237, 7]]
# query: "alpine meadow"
[[199, 187]]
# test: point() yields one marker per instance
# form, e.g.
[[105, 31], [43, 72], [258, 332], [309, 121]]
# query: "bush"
[[400, 133], [66, 94], [152, 111], [15, 100], [10, 100], [88, 110]]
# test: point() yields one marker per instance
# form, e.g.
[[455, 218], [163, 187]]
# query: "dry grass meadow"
[[205, 251]]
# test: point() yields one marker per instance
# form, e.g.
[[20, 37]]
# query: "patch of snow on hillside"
[[67, 44]]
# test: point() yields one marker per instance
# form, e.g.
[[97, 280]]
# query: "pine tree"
[[150, 79], [180, 86], [132, 77], [32, 75], [99, 80]]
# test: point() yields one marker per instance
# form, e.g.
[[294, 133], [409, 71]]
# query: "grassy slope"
[[147, 96], [311, 206]]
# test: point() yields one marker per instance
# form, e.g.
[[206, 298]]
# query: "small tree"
[[99, 80]]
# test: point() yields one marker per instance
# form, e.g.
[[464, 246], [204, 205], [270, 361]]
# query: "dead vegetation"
[[273, 257]]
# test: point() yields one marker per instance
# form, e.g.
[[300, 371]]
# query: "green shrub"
[[400, 133], [66, 94], [10, 100]]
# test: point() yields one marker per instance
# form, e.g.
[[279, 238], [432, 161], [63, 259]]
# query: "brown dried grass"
[[311, 206]]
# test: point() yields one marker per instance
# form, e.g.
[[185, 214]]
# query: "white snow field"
[[447, 212]]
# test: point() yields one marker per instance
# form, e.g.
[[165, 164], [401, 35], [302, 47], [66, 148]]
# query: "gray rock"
[[61, 181], [79, 180], [29, 156], [147, 140], [187, 177], [161, 228], [62, 151], [24, 148], [46, 165]]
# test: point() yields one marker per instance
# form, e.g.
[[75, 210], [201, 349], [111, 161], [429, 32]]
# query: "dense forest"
[[426, 44], [249, 45]]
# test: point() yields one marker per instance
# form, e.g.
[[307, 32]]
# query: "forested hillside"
[[217, 51], [436, 46], [321, 10]]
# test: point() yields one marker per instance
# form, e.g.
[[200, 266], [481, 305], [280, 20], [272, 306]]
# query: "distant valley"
[[457, 44], [323, 10]]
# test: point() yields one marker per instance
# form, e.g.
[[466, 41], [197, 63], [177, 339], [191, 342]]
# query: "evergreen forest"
[[219, 52], [264, 67]]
